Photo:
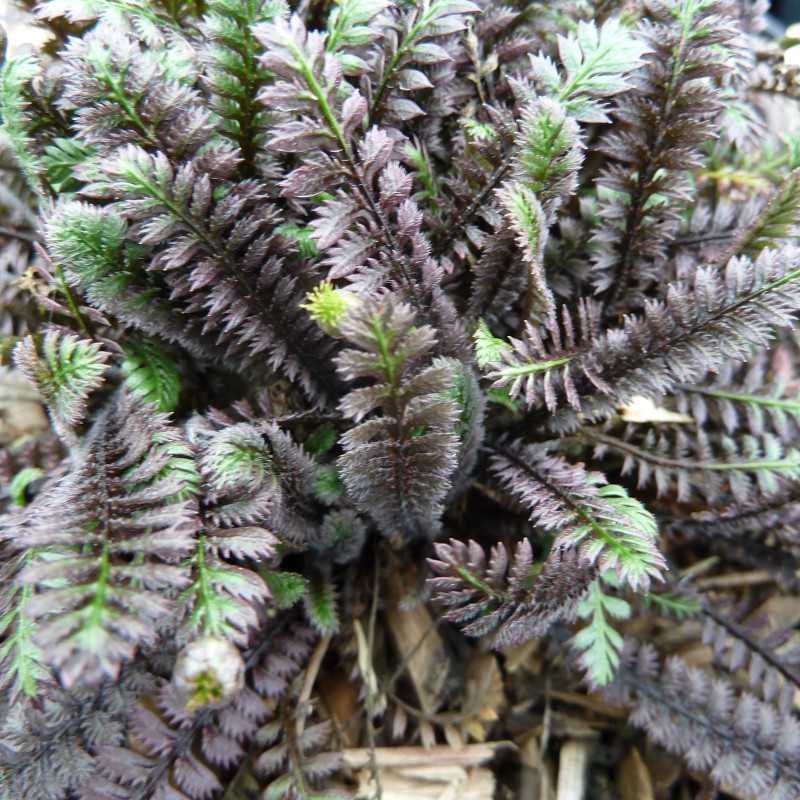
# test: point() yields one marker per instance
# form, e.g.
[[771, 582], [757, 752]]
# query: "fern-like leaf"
[[597, 64], [612, 529], [16, 72], [65, 370], [598, 642], [508, 598], [109, 538], [398, 462], [152, 374], [699, 326]]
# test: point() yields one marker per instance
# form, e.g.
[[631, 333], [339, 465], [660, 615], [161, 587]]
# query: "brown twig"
[[373, 616], [471, 755]]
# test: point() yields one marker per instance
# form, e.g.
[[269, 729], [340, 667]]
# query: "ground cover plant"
[[420, 378]]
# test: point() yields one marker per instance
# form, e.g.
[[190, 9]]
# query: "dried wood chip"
[[573, 761], [418, 642], [633, 778]]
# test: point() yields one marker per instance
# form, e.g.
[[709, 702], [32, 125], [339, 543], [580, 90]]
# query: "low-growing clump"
[[495, 298]]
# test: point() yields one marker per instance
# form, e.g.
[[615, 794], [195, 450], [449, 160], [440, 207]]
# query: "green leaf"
[[501, 397], [15, 74], [180, 465], [286, 588], [321, 440], [757, 407], [347, 23], [512, 375], [420, 160], [152, 374], [526, 217], [673, 605], [21, 660], [89, 243], [478, 131], [327, 306], [779, 220], [238, 457], [236, 75], [328, 485], [65, 370], [321, 606], [463, 392], [302, 236], [60, 160], [222, 597], [599, 643], [279, 789], [597, 63], [21, 481], [528, 221], [548, 148], [488, 348], [621, 533]]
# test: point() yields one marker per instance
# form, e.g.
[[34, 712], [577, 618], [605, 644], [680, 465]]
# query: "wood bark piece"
[[734, 580], [417, 640], [340, 697], [730, 791], [573, 761], [536, 779], [591, 702], [633, 778], [484, 696], [779, 611], [428, 783], [471, 755], [665, 770]]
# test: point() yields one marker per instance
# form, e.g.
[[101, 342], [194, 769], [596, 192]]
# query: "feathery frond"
[[399, 459], [597, 64], [509, 598], [227, 273], [65, 370], [733, 737], [152, 374], [243, 247], [697, 328], [13, 108], [657, 140], [598, 642], [610, 528], [107, 541]]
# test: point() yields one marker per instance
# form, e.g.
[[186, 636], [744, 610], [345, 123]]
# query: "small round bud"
[[327, 306], [208, 673]]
